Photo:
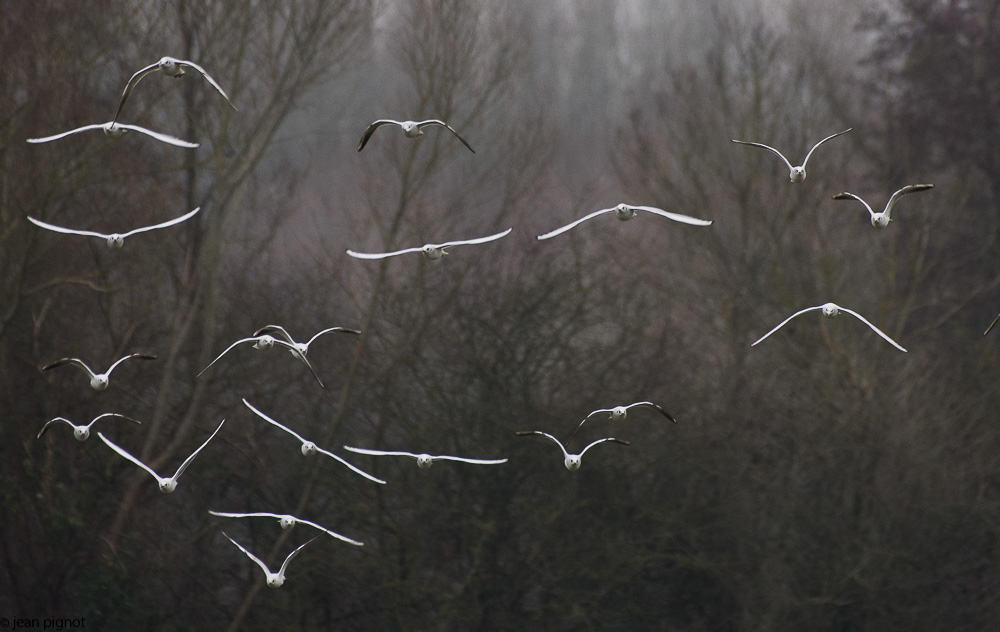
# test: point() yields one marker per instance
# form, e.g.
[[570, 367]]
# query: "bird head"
[[432, 252], [82, 433], [264, 342], [424, 461], [797, 174], [170, 67], [115, 241], [99, 382], [624, 212], [286, 522], [410, 129], [114, 130], [572, 462], [308, 448], [830, 310], [275, 581], [880, 220], [618, 413], [168, 486]]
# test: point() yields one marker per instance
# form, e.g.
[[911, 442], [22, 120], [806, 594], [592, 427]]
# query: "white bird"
[[431, 251], [625, 212], [881, 220], [264, 342], [424, 461], [287, 522], [172, 67], [167, 485], [98, 381], [411, 129], [274, 580], [301, 348], [82, 432], [115, 240], [571, 461], [618, 413], [117, 129], [308, 447], [795, 174], [830, 310], [991, 325]]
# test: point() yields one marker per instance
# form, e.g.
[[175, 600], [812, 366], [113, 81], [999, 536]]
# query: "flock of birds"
[[275, 335]]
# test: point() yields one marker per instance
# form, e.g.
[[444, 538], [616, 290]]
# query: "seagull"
[[431, 251], [115, 240], [172, 67], [424, 461], [411, 129], [991, 325], [830, 310], [81, 432], [117, 129], [264, 342], [618, 413], [167, 485], [625, 212], [274, 580], [881, 220], [98, 381], [287, 522], [571, 461], [301, 348], [795, 174], [308, 447]]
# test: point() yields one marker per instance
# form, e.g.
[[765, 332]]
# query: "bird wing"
[[478, 240], [450, 128], [176, 220], [72, 131], [587, 418], [351, 467], [381, 255], [74, 362], [344, 330], [131, 83], [874, 328], [462, 459], [271, 421], [563, 229], [821, 142], [188, 460], [333, 533], [782, 323], [52, 421], [991, 324], [371, 130], [274, 329], [128, 456], [605, 439], [68, 231], [378, 452], [101, 416], [253, 557], [208, 77], [284, 565], [850, 196], [160, 137], [524, 433], [298, 354], [910, 188], [654, 406], [767, 147], [224, 514], [254, 339], [677, 217], [142, 356]]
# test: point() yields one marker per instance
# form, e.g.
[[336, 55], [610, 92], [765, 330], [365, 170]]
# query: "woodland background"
[[820, 481]]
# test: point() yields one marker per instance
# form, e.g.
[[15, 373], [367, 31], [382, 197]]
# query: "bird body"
[[881, 220], [795, 174]]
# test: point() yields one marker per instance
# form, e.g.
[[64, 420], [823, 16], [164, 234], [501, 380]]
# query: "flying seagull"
[[411, 129], [172, 67], [308, 447], [571, 461], [115, 240], [881, 220], [431, 251], [830, 310], [301, 348], [618, 413], [424, 461], [98, 381], [264, 342], [795, 174], [117, 129], [287, 522], [274, 580], [82, 432], [625, 212], [167, 485]]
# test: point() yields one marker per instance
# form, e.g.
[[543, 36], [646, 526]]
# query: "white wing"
[[329, 329], [584, 451], [767, 147], [144, 356], [284, 565], [874, 328], [351, 467], [271, 421], [52, 421], [130, 457], [782, 323], [103, 415], [208, 77], [160, 137], [381, 255], [562, 230], [275, 329], [462, 459], [75, 362], [64, 134], [224, 514], [910, 188], [253, 557], [547, 435], [176, 220], [68, 231], [378, 452], [333, 533], [850, 196], [478, 240], [228, 349], [821, 142], [677, 217], [188, 460], [131, 83], [450, 128], [298, 354]]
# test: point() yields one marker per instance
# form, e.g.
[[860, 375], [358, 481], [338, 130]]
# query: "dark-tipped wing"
[[423, 124], [371, 130], [821, 142]]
